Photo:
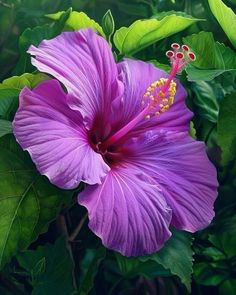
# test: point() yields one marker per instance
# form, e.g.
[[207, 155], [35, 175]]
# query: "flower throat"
[[159, 96]]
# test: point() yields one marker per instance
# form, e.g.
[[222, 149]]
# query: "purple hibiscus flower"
[[122, 129]]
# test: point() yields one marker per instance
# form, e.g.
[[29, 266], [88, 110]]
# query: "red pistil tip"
[[185, 47], [175, 46], [179, 55], [169, 53], [192, 56]]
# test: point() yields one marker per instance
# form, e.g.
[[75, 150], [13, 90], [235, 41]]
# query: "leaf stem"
[[77, 229], [63, 226]]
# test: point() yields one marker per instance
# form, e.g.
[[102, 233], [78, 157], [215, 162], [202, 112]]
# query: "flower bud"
[[108, 24]]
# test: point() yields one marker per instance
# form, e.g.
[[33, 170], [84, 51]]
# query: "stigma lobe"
[[180, 56]]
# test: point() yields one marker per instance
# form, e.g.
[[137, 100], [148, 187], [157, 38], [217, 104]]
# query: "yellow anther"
[[152, 97], [171, 100], [157, 100]]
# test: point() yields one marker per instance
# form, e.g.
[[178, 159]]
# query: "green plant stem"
[[77, 229], [63, 227], [114, 286]]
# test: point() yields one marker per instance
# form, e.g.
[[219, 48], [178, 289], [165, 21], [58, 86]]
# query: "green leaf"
[[206, 274], [227, 81], [8, 102], [226, 18], [228, 287], [78, 20], [28, 202], [5, 127], [207, 98], [38, 269], [27, 79], [131, 7], [209, 63], [50, 268], [226, 235], [131, 267], [163, 14], [175, 258], [226, 128], [10, 89], [89, 268], [213, 253], [143, 33], [161, 66], [34, 37], [192, 130]]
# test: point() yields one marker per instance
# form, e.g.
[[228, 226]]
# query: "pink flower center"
[[160, 94]]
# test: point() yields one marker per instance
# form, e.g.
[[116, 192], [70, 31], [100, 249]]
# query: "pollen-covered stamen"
[[156, 100]]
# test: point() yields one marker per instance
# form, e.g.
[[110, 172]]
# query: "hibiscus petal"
[[83, 62], [54, 136], [186, 177], [128, 212], [137, 77]]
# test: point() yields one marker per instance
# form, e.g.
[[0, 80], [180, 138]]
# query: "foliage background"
[[42, 250]]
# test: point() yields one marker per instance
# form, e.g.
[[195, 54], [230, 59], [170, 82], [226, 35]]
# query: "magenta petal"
[[186, 177], [128, 212], [137, 77], [83, 62], [55, 137]]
